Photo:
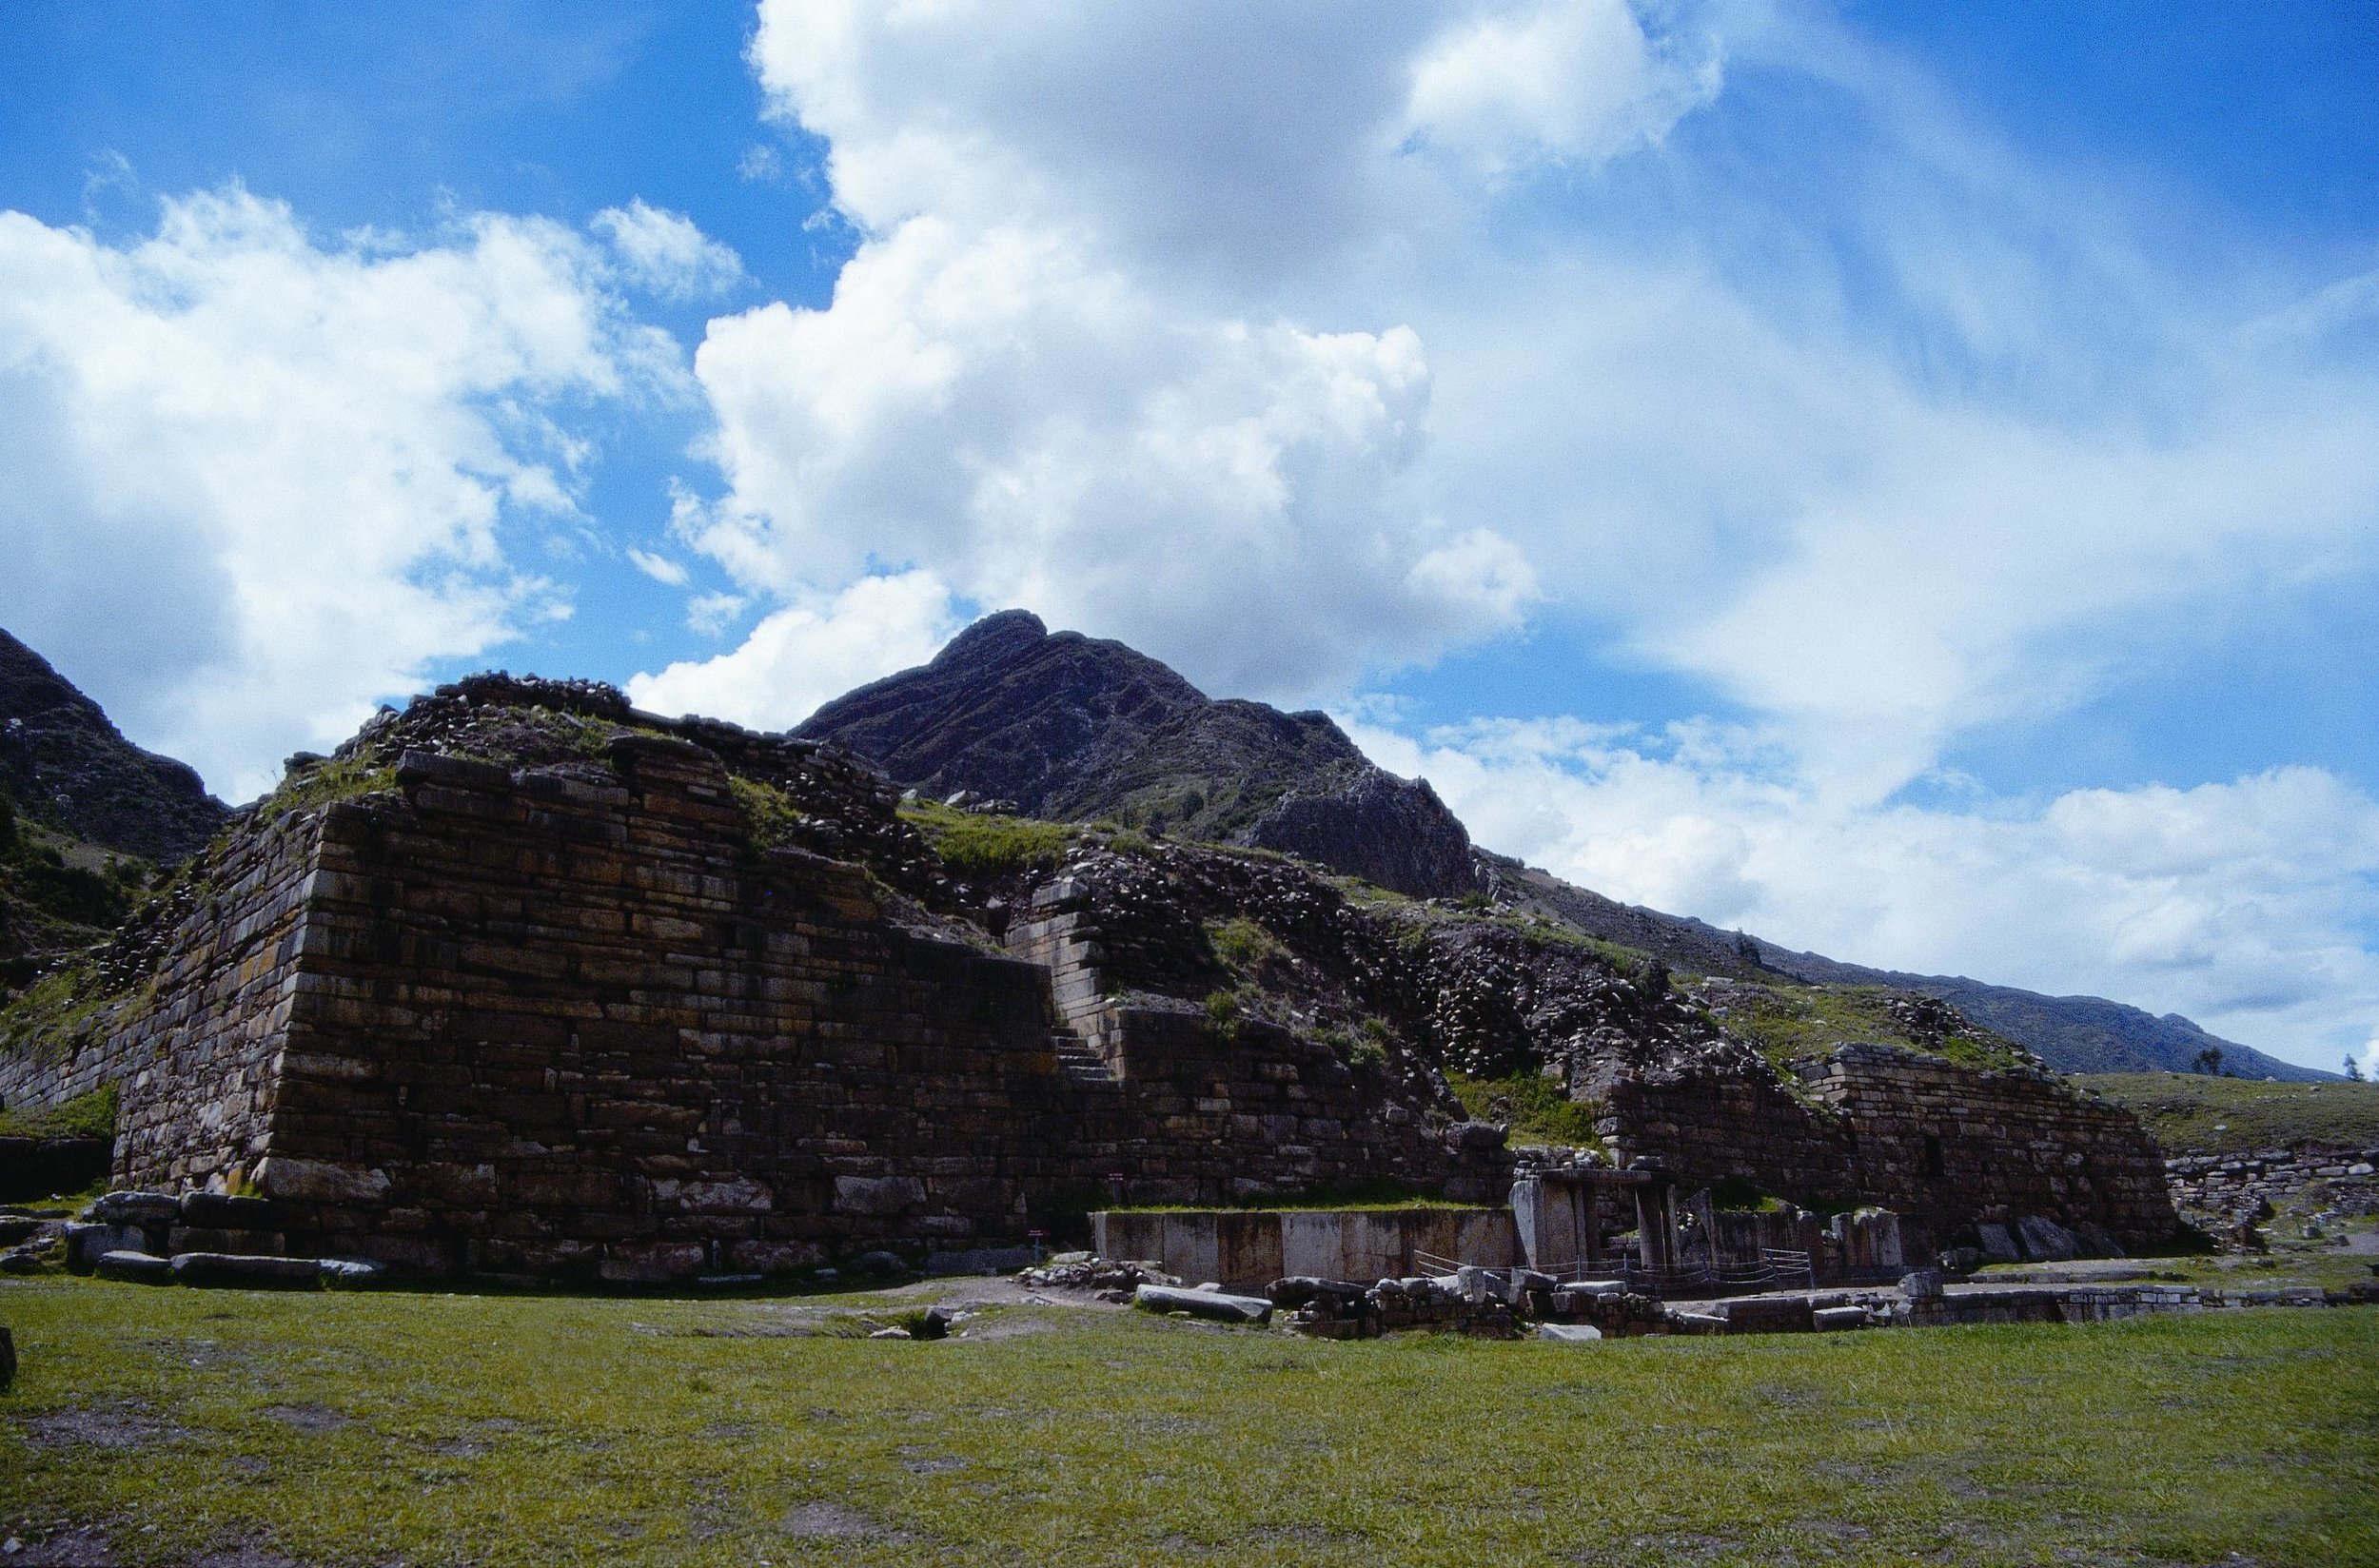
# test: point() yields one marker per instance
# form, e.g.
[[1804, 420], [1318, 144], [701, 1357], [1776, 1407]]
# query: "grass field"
[[2194, 1113], [437, 1428]]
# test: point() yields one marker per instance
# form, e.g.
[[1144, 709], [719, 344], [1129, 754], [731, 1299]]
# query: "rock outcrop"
[[65, 763], [1069, 727]]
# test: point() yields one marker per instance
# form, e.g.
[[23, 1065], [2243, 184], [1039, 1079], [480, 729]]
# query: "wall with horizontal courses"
[[192, 1053], [2243, 1184], [570, 1023], [1945, 1147]]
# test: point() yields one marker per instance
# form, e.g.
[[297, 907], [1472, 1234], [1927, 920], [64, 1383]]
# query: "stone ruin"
[[524, 983]]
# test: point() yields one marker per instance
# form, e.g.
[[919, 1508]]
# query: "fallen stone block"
[[136, 1267], [242, 1271], [1203, 1303], [2045, 1240], [1924, 1284], [134, 1209], [1568, 1333], [218, 1211], [1997, 1246], [86, 1242], [1831, 1319], [1696, 1323], [350, 1273], [1300, 1288]]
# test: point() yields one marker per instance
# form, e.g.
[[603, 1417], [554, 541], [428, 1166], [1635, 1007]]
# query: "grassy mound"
[[2191, 1114]]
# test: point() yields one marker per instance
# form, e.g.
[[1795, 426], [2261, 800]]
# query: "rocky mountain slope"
[[1067, 727], [2073, 1034], [66, 764], [85, 816]]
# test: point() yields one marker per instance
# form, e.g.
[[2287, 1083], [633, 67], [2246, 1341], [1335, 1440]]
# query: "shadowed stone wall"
[[570, 1021], [1946, 1147]]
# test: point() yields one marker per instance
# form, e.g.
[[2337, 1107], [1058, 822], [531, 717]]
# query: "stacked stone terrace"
[[1947, 1147], [569, 1020], [602, 1010]]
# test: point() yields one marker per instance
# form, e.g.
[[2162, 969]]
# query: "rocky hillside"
[[67, 766], [2073, 1034], [85, 817], [1068, 728]]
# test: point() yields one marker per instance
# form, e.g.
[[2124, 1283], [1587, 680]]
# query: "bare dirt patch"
[[307, 1416], [833, 1522], [125, 1424], [76, 1546]]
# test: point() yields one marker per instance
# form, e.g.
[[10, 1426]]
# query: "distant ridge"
[[1076, 728], [63, 762], [2073, 1034]]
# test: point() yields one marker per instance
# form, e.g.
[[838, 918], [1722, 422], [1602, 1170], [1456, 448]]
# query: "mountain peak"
[[62, 760], [1070, 727], [1002, 633]]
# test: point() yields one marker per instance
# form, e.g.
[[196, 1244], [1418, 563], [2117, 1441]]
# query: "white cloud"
[[2240, 904], [665, 254], [252, 485], [711, 613], [659, 568], [1042, 432], [1555, 83], [1060, 372], [1324, 340], [801, 656]]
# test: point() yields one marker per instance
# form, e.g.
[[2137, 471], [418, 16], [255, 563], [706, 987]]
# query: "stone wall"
[[571, 1022], [2230, 1184], [1254, 1248], [1945, 1147], [191, 1052]]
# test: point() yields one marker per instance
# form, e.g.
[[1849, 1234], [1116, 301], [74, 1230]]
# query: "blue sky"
[[1897, 479]]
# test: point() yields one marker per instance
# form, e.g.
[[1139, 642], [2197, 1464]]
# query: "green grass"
[[1243, 945], [61, 1010], [339, 778], [769, 814], [91, 1115], [352, 1429], [1792, 1023], [2189, 1112], [1537, 1109], [982, 846]]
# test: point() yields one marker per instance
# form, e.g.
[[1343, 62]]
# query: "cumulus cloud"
[[1556, 83], [663, 252], [1075, 362], [802, 654], [282, 475], [1321, 342], [2240, 904]]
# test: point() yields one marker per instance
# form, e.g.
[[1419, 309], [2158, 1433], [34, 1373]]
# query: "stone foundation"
[[1946, 1148], [571, 1023]]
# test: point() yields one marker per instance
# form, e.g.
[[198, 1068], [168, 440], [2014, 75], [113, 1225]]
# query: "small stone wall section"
[[192, 1055], [1945, 1147], [1251, 1248], [2233, 1183]]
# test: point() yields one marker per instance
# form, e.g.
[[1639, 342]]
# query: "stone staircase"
[[1080, 1064]]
